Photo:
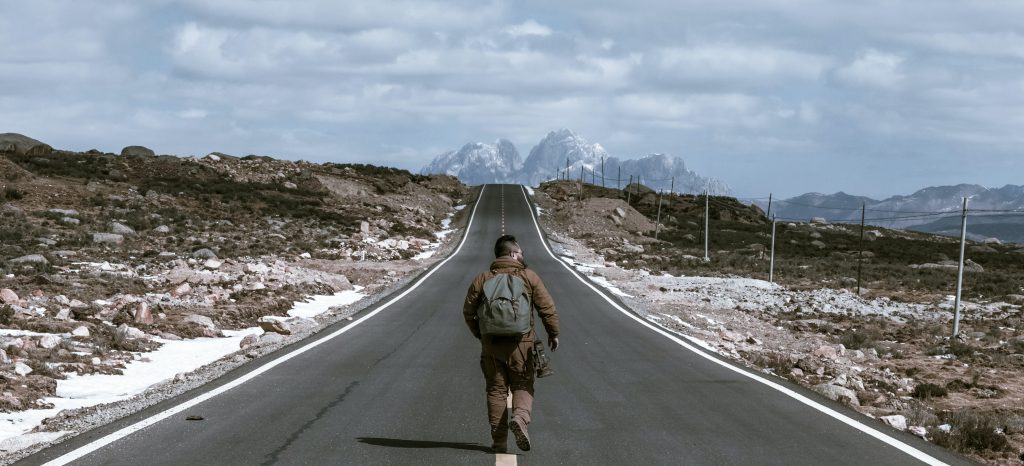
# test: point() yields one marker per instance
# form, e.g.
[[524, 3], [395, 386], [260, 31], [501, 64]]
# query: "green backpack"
[[506, 309]]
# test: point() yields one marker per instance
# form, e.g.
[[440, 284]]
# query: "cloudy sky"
[[784, 96]]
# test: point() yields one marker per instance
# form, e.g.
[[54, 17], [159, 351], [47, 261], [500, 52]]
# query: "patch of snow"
[[7, 332], [679, 321], [603, 282], [79, 391], [316, 305], [529, 190]]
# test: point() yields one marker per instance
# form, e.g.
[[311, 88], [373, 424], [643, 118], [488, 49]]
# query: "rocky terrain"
[[104, 257], [886, 352]]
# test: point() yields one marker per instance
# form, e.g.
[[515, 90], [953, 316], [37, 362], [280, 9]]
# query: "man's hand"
[[553, 344]]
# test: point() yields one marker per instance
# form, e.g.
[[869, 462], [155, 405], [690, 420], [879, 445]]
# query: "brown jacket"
[[539, 296]]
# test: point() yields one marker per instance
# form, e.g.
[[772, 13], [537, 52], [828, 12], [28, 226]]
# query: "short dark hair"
[[505, 245]]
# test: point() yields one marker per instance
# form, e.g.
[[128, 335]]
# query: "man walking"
[[507, 359]]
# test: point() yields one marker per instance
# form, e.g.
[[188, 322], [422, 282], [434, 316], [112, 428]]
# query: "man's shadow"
[[401, 443]]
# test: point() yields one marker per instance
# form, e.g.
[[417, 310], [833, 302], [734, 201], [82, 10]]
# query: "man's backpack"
[[506, 308]]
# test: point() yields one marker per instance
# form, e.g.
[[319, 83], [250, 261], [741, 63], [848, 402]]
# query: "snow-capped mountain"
[[557, 151], [479, 163], [565, 151]]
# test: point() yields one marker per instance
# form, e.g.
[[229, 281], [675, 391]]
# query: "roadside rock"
[[8, 296], [130, 332], [22, 369], [82, 331], [272, 325], [162, 229], [835, 392], [121, 229], [49, 341], [248, 341], [204, 253], [30, 259], [107, 238], [142, 314], [201, 320], [896, 421]]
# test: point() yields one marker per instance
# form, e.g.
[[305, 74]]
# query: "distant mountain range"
[[564, 151], [933, 210]]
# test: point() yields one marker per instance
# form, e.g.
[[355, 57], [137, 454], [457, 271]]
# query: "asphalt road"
[[405, 387]]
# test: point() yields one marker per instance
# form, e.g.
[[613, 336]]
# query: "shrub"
[[6, 314], [859, 338], [971, 432], [929, 390], [12, 194]]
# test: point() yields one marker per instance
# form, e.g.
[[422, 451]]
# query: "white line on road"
[[124, 432], [918, 454]]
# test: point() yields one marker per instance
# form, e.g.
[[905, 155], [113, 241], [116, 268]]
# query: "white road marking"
[[504, 459], [124, 432], [918, 454]]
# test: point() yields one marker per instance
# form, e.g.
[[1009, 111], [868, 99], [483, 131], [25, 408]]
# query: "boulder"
[[837, 393], [971, 266], [129, 332], [30, 259], [620, 212], [162, 229], [212, 264], [64, 212], [819, 221], [201, 320], [272, 325], [818, 244], [121, 229], [271, 337], [181, 290], [364, 227], [289, 185], [142, 314], [82, 331], [204, 253], [137, 151], [107, 238], [49, 341], [8, 296], [70, 220], [19, 144], [992, 241], [826, 352], [4, 358], [22, 369], [63, 314], [248, 341], [896, 421]]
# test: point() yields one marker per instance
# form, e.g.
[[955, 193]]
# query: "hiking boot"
[[499, 447], [518, 428]]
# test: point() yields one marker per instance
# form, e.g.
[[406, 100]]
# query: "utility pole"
[[628, 192], [567, 169], [960, 271], [860, 252], [657, 223], [638, 189], [769, 213], [618, 179], [707, 214], [771, 262], [602, 171]]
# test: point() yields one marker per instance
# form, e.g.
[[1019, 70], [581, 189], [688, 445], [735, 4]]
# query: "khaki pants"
[[507, 363]]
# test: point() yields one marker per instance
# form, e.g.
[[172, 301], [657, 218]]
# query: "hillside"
[[886, 352], [119, 253]]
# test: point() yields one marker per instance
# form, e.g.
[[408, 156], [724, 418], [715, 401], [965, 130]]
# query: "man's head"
[[507, 246]]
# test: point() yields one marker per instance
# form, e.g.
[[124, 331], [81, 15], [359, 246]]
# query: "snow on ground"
[[529, 190], [79, 391], [172, 358], [446, 229], [316, 305]]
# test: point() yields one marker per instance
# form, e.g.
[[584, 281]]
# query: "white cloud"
[[735, 63], [995, 44], [352, 14], [528, 28], [874, 68]]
